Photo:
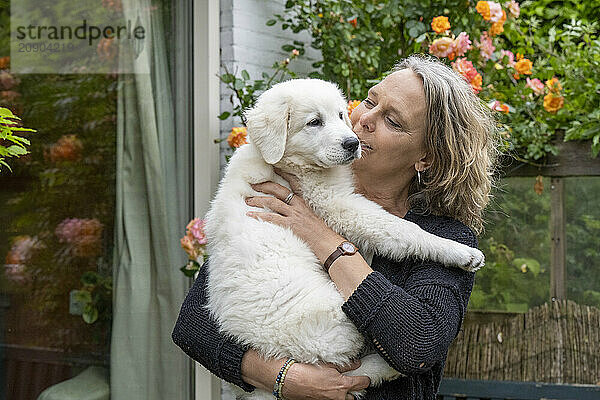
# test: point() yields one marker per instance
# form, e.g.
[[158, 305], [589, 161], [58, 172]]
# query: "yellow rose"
[[440, 24], [553, 103], [523, 66]]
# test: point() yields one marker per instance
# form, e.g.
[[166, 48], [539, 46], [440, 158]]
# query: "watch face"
[[348, 247]]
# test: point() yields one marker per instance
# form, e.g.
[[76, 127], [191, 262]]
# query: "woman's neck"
[[387, 196]]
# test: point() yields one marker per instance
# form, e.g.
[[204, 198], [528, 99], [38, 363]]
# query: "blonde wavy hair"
[[462, 140]]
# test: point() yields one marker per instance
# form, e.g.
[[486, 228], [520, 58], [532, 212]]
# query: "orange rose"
[[523, 66], [553, 85], [498, 27], [352, 104], [353, 22], [476, 83], [483, 8], [237, 137], [553, 102], [440, 24], [4, 62]]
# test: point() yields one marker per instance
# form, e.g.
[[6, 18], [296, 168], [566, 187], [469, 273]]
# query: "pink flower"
[[485, 46], [194, 242], [462, 44], [84, 236], [465, 68], [536, 85], [510, 55], [7, 80], [21, 251], [513, 8], [442, 47], [196, 228], [495, 11]]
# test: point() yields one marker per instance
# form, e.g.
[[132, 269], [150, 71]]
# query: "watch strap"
[[338, 252], [334, 256]]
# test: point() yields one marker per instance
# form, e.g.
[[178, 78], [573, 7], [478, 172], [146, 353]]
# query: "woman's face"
[[390, 123]]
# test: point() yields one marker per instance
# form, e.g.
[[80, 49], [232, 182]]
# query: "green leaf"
[[7, 113], [287, 47], [6, 165], [271, 22], [83, 296], [17, 150], [239, 84], [190, 268], [89, 278], [90, 314], [224, 115], [245, 75]]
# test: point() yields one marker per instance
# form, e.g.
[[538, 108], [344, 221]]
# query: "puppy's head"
[[304, 122]]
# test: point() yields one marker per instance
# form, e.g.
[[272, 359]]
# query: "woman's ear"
[[424, 163]]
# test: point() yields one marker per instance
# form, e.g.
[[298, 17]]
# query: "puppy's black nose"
[[350, 144]]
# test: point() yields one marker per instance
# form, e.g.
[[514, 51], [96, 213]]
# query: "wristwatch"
[[344, 249]]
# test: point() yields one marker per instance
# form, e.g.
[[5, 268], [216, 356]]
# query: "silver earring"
[[419, 177]]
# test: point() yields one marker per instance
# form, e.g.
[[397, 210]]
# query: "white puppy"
[[265, 286]]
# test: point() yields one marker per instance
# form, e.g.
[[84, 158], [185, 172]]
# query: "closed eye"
[[315, 122], [395, 125], [341, 115]]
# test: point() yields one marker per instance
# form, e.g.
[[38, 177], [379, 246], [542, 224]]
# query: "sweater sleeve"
[[413, 326], [199, 336]]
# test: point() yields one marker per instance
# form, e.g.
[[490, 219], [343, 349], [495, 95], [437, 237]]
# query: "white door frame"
[[206, 128]]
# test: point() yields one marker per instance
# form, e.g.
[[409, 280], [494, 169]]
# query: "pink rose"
[[536, 85], [462, 44], [485, 46], [513, 8], [465, 68], [196, 228], [495, 11], [442, 47]]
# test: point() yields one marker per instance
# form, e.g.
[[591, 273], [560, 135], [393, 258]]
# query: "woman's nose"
[[367, 122]]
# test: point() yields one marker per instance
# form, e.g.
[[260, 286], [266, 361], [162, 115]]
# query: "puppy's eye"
[[315, 122], [341, 115]]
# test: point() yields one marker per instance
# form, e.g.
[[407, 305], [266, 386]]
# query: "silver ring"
[[289, 198]]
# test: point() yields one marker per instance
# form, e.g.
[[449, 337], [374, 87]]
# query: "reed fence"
[[558, 342]]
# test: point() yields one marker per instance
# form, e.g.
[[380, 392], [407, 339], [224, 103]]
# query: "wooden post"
[[557, 226]]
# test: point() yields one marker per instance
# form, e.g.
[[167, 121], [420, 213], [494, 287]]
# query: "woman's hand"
[[296, 215], [323, 382], [302, 381]]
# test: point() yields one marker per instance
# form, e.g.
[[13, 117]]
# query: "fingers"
[[281, 192], [271, 203], [350, 367]]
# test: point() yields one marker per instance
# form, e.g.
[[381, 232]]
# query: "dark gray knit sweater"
[[412, 309]]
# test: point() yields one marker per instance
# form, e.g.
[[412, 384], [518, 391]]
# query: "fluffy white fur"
[[265, 286]]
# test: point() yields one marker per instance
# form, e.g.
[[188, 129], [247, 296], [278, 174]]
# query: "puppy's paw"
[[461, 255], [476, 260]]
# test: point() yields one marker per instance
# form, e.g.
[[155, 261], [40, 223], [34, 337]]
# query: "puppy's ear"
[[268, 125]]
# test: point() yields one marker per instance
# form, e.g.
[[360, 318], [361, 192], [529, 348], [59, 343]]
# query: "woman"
[[429, 152]]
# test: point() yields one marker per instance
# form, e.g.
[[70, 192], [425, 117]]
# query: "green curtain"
[[150, 208]]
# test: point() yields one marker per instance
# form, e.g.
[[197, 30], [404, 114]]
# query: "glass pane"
[[583, 239], [516, 244], [58, 210]]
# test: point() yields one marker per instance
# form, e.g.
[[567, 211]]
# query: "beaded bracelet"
[[280, 378]]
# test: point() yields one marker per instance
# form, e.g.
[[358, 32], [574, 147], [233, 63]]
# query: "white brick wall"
[[247, 43]]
